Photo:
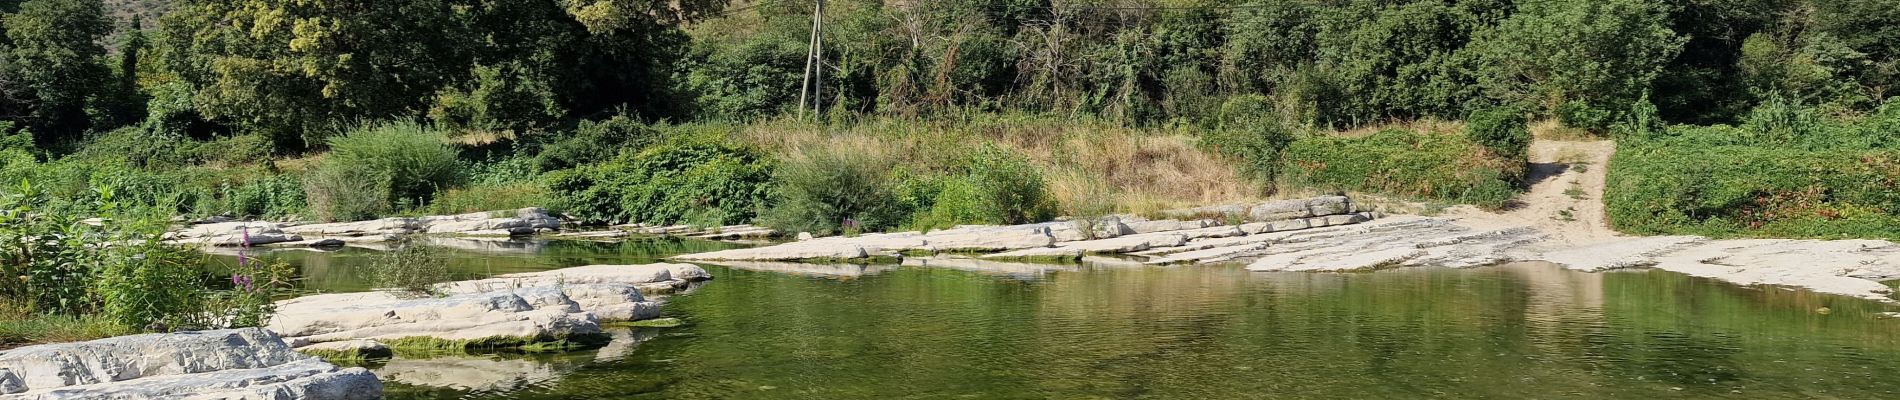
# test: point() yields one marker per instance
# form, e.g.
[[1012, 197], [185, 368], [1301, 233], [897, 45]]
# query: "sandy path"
[[1565, 198]]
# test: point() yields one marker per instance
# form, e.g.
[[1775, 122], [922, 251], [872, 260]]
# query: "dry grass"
[[1090, 169]]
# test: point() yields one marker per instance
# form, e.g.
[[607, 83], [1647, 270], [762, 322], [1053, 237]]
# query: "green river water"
[[1111, 330]]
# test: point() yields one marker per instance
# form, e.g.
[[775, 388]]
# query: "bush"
[[1503, 131], [1440, 167], [339, 191], [700, 180], [819, 191], [1722, 181], [116, 270], [1250, 131], [413, 158], [596, 141], [992, 186], [411, 267]]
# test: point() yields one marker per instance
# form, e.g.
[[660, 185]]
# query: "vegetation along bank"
[[1753, 118]]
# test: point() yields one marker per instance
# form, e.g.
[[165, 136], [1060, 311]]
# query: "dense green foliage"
[[413, 158], [1425, 165], [1500, 130], [573, 104], [1786, 173], [827, 192], [117, 269], [698, 178]]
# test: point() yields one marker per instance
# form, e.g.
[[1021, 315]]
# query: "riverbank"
[[1330, 234]]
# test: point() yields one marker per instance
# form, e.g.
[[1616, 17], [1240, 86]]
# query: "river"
[[1108, 329]]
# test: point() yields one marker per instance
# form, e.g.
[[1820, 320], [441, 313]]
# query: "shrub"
[[413, 158], [992, 186], [1722, 181], [153, 283], [1424, 165], [410, 267], [338, 191], [1250, 131], [596, 141], [818, 191], [701, 180], [116, 270], [275, 196], [1503, 130]]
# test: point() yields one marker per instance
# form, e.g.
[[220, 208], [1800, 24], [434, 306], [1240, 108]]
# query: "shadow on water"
[[1108, 329]]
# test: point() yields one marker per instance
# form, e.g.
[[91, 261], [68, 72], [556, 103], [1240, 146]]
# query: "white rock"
[[520, 313], [227, 364], [804, 236], [988, 239], [806, 250], [1140, 227], [1039, 252], [1632, 253], [378, 227]]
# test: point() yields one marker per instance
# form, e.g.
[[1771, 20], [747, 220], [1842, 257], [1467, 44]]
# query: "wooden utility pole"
[[814, 57]]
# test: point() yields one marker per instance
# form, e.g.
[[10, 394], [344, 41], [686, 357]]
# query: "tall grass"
[[1086, 168], [403, 163], [415, 157]]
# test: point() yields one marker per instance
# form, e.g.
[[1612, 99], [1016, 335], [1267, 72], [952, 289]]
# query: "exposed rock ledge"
[[1329, 234], [1064, 239], [540, 305], [227, 364], [524, 221]]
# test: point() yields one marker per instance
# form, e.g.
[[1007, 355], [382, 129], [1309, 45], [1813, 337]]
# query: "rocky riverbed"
[[506, 310], [1331, 234], [226, 364], [522, 222]]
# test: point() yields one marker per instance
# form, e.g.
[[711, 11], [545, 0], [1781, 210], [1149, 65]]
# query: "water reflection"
[[1106, 328], [820, 270]]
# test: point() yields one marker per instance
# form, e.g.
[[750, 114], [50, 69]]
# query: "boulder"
[[226, 364]]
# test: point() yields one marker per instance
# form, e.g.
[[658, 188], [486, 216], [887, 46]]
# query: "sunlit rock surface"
[[225, 364], [547, 304]]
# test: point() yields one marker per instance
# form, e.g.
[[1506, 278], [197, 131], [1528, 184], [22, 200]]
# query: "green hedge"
[[1712, 181], [1421, 165]]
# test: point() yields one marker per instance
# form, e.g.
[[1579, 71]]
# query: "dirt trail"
[[1565, 198]]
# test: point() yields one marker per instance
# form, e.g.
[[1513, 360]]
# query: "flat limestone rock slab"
[[246, 363]]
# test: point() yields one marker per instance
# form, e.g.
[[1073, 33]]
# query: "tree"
[[1577, 59], [294, 69], [52, 69]]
